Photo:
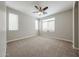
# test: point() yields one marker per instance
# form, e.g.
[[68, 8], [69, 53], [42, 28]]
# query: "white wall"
[[63, 26], [26, 26], [2, 29]]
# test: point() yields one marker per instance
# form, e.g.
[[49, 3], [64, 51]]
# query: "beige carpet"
[[40, 47]]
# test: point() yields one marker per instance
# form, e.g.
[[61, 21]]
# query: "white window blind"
[[48, 25], [44, 26], [36, 24], [13, 21]]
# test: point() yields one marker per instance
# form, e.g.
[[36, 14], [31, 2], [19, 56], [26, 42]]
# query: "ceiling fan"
[[40, 10]]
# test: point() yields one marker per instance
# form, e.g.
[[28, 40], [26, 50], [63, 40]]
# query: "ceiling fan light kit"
[[40, 13]]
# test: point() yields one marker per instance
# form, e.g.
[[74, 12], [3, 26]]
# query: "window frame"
[[17, 21], [48, 20]]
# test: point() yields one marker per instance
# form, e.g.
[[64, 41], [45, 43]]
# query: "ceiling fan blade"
[[36, 7], [45, 8]]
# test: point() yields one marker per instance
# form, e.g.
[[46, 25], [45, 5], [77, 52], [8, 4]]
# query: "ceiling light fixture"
[[40, 13]]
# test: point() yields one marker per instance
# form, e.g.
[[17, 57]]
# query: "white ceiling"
[[28, 6]]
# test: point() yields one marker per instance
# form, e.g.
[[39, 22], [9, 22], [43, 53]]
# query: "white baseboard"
[[75, 48], [63, 39], [21, 38], [59, 38], [36, 35]]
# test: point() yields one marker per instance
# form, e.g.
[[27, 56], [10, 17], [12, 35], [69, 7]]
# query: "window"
[[48, 25], [44, 25], [13, 21], [36, 24]]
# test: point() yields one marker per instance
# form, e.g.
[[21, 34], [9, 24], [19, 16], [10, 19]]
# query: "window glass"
[[36, 24], [13, 21], [48, 25]]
